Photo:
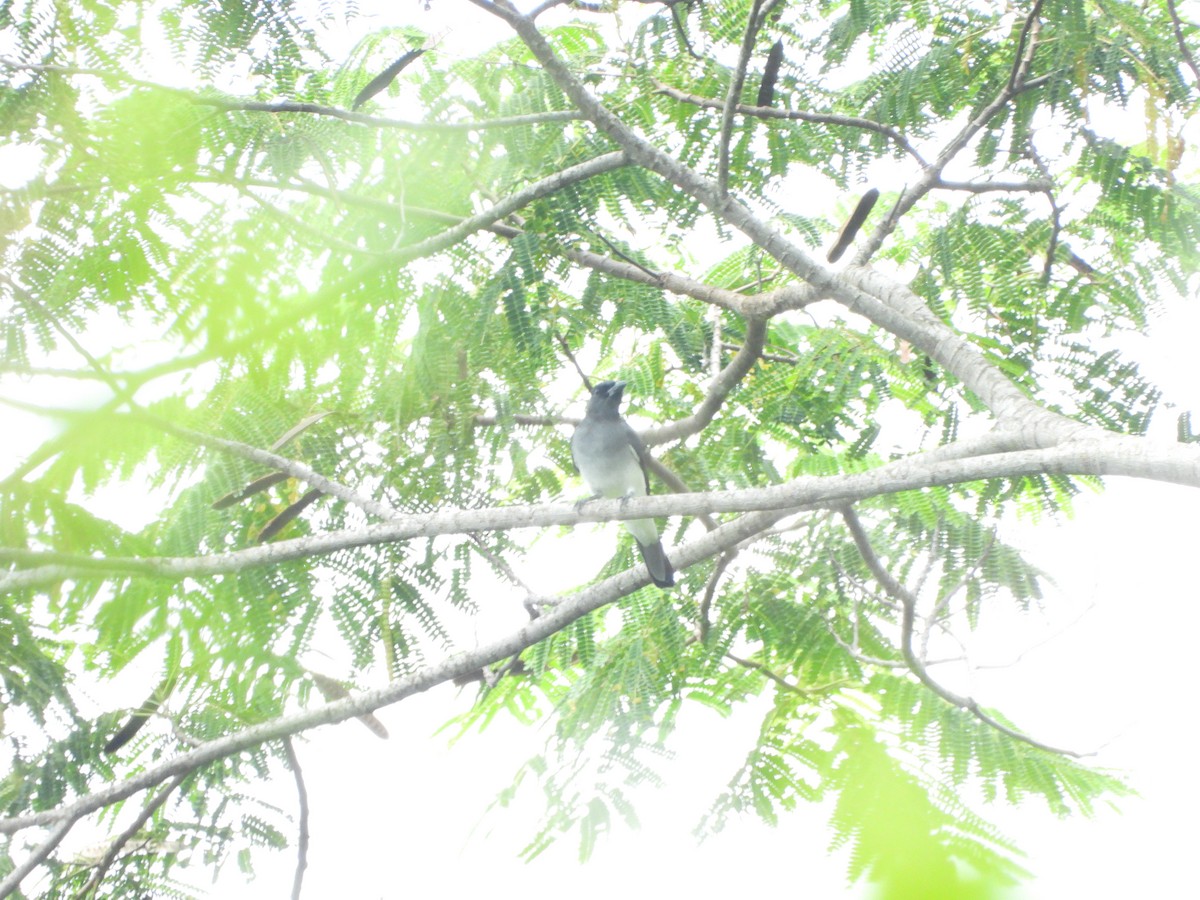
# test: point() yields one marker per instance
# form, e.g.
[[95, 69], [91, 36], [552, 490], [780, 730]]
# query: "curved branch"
[[290, 467], [302, 801], [908, 604], [729, 377], [710, 592]]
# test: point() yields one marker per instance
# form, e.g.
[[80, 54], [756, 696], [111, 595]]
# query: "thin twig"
[[734, 95], [783, 682], [1177, 24], [321, 236], [909, 605], [859, 656], [566, 349], [1055, 213], [125, 836], [930, 557], [504, 570], [1040, 643], [680, 28], [292, 467], [119, 390], [933, 173], [798, 115], [766, 357], [710, 590], [656, 276], [1020, 65], [17, 875], [774, 676], [935, 617], [302, 799], [292, 106]]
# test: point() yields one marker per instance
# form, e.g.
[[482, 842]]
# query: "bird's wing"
[[639, 450]]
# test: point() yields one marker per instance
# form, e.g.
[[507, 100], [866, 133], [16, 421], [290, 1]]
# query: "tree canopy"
[[313, 333]]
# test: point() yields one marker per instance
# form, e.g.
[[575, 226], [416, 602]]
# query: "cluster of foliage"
[[218, 265]]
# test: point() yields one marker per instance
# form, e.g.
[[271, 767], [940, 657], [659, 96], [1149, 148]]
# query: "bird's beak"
[[618, 388]]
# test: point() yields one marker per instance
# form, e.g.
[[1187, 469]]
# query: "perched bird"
[[612, 460]]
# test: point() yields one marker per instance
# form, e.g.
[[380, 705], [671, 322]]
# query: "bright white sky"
[[1106, 665]]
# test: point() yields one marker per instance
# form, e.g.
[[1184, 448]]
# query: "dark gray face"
[[606, 400]]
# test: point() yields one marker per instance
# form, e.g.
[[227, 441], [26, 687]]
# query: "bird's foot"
[[583, 501]]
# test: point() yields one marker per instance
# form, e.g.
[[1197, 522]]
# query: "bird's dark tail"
[[661, 572]]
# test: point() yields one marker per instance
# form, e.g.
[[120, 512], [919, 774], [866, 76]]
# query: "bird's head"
[[606, 399]]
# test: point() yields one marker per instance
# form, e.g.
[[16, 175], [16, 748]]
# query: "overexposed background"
[[1105, 665]]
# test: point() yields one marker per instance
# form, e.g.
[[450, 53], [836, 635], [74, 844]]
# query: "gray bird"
[[612, 460]]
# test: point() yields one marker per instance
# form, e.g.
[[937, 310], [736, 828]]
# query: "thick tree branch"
[[1032, 186], [863, 292], [1112, 455], [898, 310]]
